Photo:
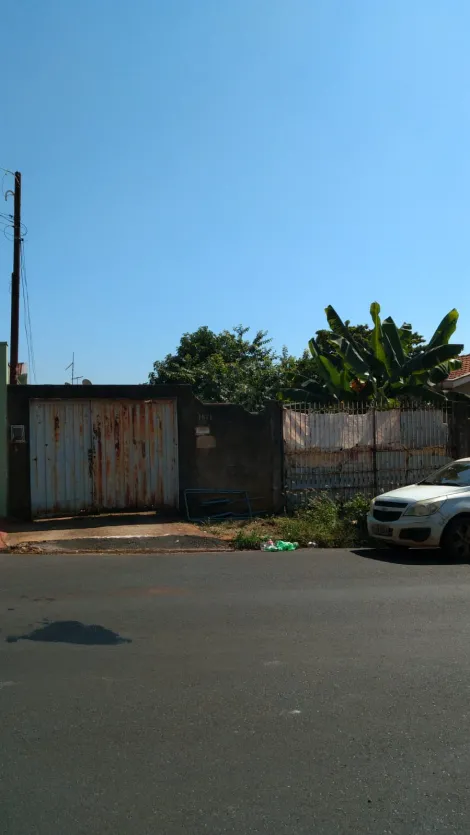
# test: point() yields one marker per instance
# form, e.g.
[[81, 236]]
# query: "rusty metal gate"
[[355, 448], [96, 455]]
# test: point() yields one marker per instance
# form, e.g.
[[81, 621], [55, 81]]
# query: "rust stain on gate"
[[92, 455], [355, 448], [135, 463]]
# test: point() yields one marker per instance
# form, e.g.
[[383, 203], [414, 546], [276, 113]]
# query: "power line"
[[28, 325], [5, 172], [26, 330], [27, 316]]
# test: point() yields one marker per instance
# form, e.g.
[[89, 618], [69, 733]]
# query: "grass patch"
[[326, 522], [248, 540]]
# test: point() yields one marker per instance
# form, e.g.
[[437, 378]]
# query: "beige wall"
[[464, 388]]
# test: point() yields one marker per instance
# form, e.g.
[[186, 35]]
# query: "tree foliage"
[[226, 367], [381, 363], [234, 367]]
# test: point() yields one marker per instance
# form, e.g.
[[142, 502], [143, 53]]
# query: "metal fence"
[[354, 448]]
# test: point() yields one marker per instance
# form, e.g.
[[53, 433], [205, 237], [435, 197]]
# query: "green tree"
[[379, 364], [298, 372], [226, 367], [413, 341]]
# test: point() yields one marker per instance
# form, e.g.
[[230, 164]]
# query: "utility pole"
[[15, 283]]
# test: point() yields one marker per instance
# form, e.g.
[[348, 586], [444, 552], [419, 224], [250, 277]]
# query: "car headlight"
[[423, 509]]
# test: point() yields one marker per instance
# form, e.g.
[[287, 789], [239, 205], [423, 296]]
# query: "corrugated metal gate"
[[93, 455]]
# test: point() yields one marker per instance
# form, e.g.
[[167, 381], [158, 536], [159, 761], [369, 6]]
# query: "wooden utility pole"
[[15, 283]]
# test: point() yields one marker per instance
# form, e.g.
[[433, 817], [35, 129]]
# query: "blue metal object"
[[240, 494]]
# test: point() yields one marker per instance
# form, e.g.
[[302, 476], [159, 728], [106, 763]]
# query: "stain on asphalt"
[[72, 632], [153, 590]]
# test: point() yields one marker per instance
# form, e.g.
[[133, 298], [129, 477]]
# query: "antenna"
[[73, 378]]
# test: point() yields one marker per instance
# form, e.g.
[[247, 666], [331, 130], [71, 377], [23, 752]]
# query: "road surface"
[[283, 694]]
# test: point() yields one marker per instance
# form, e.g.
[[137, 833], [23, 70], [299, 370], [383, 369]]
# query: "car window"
[[455, 474]]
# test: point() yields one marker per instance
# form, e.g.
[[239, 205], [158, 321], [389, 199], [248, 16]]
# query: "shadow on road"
[[72, 632], [413, 556]]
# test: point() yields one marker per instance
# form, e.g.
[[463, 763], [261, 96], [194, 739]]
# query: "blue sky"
[[190, 162]]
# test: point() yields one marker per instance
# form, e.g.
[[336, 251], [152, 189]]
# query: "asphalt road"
[[285, 694]]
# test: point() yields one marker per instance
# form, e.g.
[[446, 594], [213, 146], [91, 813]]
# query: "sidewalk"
[[118, 532]]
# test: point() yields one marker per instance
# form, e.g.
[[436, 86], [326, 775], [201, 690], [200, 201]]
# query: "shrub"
[[246, 540], [324, 520], [332, 524], [355, 512]]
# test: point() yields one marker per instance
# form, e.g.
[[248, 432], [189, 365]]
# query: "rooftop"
[[465, 360]]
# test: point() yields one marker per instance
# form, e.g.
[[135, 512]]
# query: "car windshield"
[[456, 474]]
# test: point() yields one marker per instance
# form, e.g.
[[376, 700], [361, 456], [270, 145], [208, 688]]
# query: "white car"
[[433, 513]]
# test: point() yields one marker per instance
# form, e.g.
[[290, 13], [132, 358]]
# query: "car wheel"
[[456, 538]]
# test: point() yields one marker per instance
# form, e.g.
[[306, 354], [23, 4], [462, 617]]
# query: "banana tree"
[[381, 370]]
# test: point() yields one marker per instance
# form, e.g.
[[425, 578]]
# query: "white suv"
[[435, 512]]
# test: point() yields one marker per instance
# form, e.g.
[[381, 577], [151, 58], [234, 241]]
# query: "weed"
[[328, 522], [246, 540], [355, 512]]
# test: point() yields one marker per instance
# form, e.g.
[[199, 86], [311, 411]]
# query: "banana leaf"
[[394, 365], [444, 330], [336, 379], [430, 358], [337, 325], [351, 357], [393, 335], [424, 393], [440, 372], [304, 395], [316, 356], [377, 340]]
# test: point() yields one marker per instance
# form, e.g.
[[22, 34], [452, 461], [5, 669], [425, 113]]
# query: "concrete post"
[[3, 430]]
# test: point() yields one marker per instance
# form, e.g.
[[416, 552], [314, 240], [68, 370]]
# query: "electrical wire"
[[8, 219], [26, 329], [27, 316], [6, 222], [5, 172], [27, 325]]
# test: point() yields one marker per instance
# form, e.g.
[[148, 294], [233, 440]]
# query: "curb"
[[119, 545], [19, 551]]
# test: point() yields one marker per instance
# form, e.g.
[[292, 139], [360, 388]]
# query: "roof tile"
[[465, 360]]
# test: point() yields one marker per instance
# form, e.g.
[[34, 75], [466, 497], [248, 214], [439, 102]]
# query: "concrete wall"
[[220, 447], [462, 389], [232, 449], [459, 430]]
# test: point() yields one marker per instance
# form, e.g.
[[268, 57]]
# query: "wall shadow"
[[85, 522], [71, 632]]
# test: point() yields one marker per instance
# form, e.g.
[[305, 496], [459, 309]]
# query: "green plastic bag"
[[286, 546], [280, 545]]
